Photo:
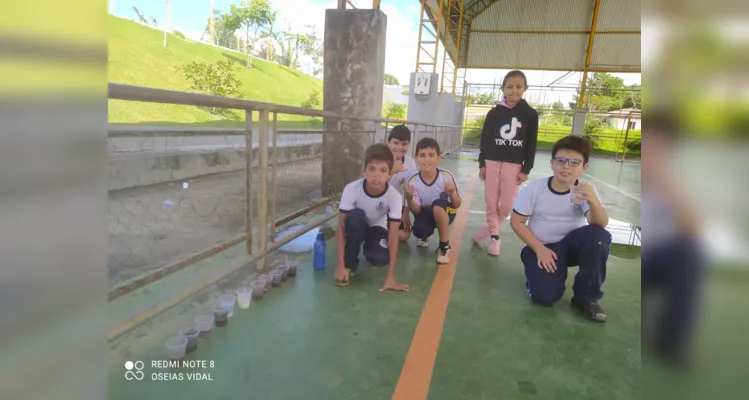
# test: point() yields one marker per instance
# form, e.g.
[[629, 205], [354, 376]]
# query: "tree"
[[255, 14], [607, 93], [216, 79], [223, 30], [294, 44], [394, 111], [140, 16], [391, 80]]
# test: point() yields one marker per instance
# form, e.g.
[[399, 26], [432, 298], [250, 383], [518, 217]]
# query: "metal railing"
[[337, 131]]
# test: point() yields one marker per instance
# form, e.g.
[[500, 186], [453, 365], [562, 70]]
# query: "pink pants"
[[501, 189]]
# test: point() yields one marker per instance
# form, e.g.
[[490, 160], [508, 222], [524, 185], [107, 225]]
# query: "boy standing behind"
[[434, 198], [566, 222], [405, 167], [370, 211]]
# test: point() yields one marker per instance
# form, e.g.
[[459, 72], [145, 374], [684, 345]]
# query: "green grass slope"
[[137, 57]]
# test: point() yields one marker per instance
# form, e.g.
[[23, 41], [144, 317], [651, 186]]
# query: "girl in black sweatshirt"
[[508, 147]]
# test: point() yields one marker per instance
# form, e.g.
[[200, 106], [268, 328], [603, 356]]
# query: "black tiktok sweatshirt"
[[510, 135]]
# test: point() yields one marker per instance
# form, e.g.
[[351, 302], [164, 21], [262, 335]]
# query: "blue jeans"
[[586, 247]]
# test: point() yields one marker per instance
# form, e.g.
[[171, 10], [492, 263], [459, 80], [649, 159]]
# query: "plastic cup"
[[258, 289], [574, 197], [277, 277], [244, 297], [191, 334], [176, 347], [228, 301], [285, 271], [267, 278], [204, 325], [221, 315], [292, 265]]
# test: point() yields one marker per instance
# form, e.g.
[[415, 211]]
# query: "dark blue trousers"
[[586, 247], [425, 224], [375, 240], [673, 269]]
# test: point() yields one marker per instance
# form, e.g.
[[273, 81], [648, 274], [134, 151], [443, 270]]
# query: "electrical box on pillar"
[[423, 83]]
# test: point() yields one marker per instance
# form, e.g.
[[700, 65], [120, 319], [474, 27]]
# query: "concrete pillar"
[[578, 121], [354, 71]]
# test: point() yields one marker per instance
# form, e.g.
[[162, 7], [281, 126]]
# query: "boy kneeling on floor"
[[433, 197], [566, 227], [370, 212]]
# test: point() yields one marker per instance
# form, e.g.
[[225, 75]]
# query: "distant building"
[[618, 119]]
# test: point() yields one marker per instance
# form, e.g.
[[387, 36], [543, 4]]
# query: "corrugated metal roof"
[[619, 15], [536, 15], [529, 51], [536, 50], [620, 51]]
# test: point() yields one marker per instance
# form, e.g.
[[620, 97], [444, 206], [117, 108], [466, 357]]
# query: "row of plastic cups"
[[187, 341]]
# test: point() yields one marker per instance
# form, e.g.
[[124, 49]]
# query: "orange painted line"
[[416, 374]]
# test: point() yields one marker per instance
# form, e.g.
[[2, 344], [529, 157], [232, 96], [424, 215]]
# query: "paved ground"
[[464, 331]]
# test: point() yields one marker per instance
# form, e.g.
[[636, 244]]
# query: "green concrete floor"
[[313, 340]]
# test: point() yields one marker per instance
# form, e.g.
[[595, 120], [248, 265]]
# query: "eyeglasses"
[[573, 162]]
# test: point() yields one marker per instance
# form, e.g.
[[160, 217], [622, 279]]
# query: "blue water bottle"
[[319, 262]]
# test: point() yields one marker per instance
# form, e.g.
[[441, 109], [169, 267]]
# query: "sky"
[[190, 18]]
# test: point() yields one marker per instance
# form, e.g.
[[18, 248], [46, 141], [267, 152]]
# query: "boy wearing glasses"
[[565, 227]]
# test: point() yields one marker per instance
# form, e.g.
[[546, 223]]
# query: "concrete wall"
[[134, 169], [423, 108], [353, 84], [578, 121], [433, 108]]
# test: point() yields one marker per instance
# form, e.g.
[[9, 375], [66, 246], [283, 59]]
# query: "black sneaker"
[[590, 309]]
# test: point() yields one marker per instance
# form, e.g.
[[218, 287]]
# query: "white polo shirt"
[[379, 209], [551, 214], [428, 192], [399, 180]]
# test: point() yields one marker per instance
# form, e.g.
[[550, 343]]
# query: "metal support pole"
[[262, 194], [416, 140], [273, 179], [437, 38], [458, 39], [168, 19], [421, 28], [248, 178], [626, 137], [593, 24]]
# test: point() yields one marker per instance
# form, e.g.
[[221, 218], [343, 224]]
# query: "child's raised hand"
[[450, 187], [586, 192], [411, 190]]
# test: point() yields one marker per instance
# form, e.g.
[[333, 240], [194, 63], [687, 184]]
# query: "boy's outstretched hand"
[[391, 284]]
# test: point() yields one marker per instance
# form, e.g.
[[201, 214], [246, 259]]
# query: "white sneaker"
[[443, 255], [422, 242]]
